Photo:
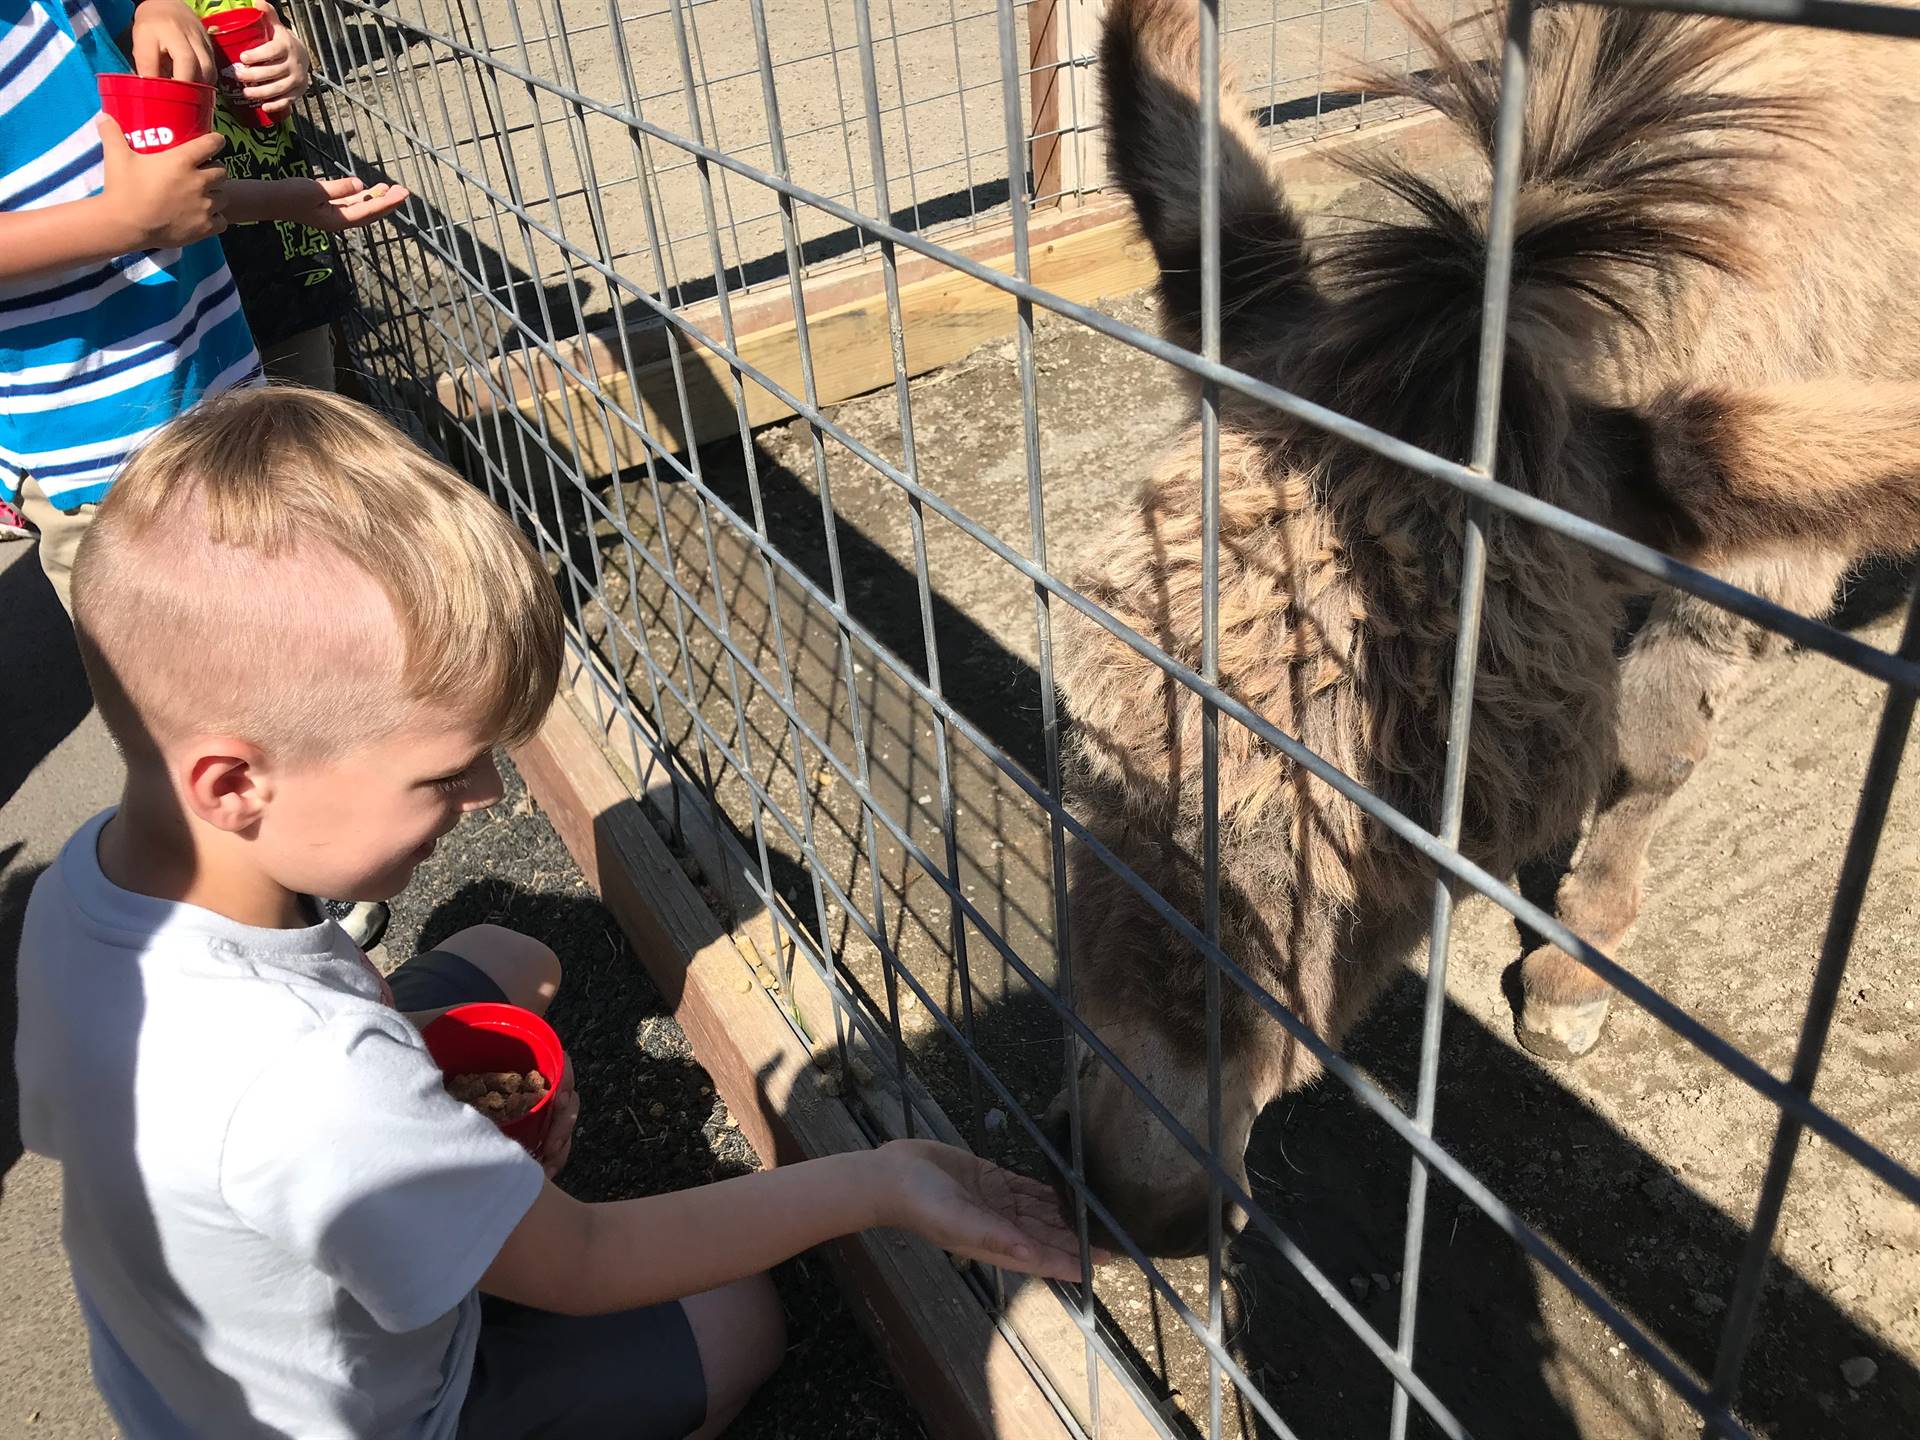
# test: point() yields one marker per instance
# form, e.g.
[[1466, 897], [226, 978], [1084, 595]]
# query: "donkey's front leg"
[[1675, 680]]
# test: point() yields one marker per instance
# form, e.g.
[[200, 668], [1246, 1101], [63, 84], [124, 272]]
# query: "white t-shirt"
[[275, 1213]]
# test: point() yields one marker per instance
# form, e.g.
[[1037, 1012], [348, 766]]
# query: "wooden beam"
[[1063, 102], [944, 314], [521, 378], [966, 1379]]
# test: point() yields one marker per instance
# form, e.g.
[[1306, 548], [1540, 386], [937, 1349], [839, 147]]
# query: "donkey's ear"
[[1150, 79], [1710, 474]]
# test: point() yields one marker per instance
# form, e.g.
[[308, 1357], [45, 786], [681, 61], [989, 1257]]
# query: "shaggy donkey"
[[1713, 312]]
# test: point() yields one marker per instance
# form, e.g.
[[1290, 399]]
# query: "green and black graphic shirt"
[[291, 277]]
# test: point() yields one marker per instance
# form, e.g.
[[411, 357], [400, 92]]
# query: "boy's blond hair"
[[283, 566]]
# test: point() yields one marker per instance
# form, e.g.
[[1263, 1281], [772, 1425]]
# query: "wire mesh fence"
[[523, 93], [837, 634]]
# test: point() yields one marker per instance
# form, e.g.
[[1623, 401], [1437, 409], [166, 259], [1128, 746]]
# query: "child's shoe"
[[13, 525], [365, 921]]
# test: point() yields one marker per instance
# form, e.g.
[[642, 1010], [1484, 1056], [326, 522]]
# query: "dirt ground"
[[1639, 1164]]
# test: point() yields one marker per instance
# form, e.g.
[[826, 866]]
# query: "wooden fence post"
[[1064, 110]]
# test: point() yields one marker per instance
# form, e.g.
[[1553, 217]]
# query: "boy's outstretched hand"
[[331, 205], [346, 204], [975, 1209], [170, 43]]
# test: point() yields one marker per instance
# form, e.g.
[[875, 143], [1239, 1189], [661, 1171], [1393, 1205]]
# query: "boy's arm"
[[581, 1259], [150, 202], [60, 237], [331, 205]]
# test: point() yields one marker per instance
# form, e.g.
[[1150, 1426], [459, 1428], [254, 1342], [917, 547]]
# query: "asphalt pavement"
[[57, 768]]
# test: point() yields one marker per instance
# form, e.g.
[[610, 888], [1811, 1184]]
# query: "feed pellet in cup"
[[502, 1095]]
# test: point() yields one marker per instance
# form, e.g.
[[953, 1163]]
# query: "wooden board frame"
[[1085, 254], [1063, 112]]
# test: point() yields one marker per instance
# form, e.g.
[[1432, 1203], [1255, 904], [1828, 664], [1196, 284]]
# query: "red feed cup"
[[501, 1037], [234, 32], [157, 114]]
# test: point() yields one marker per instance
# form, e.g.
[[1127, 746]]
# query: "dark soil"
[[650, 1120]]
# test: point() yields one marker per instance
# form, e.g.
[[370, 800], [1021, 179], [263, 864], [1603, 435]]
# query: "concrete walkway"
[[57, 768]]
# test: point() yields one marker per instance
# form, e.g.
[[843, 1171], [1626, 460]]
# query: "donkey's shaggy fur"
[[1711, 309]]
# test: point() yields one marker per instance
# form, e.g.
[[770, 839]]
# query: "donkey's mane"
[[1637, 162]]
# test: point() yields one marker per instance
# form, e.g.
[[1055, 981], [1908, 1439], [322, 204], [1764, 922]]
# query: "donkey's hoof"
[[1561, 1029]]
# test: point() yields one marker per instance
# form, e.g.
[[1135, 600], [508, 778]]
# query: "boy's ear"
[[226, 783], [1710, 474]]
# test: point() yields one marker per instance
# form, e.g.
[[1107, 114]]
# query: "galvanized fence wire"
[[472, 324], [939, 81]]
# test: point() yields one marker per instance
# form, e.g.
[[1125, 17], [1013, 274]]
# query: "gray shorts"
[[541, 1376], [439, 978], [635, 1374]]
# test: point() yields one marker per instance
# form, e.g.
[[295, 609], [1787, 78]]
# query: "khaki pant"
[[60, 536], [303, 359]]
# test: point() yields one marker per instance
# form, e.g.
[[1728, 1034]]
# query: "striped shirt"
[[94, 359]]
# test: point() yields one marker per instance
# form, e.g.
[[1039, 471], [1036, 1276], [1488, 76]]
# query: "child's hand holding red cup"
[[159, 201], [273, 73], [492, 1043], [558, 1145]]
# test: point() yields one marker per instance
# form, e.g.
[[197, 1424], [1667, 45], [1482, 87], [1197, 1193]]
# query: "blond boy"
[[308, 638]]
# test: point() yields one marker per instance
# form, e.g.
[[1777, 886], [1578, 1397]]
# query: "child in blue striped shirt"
[[117, 311]]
